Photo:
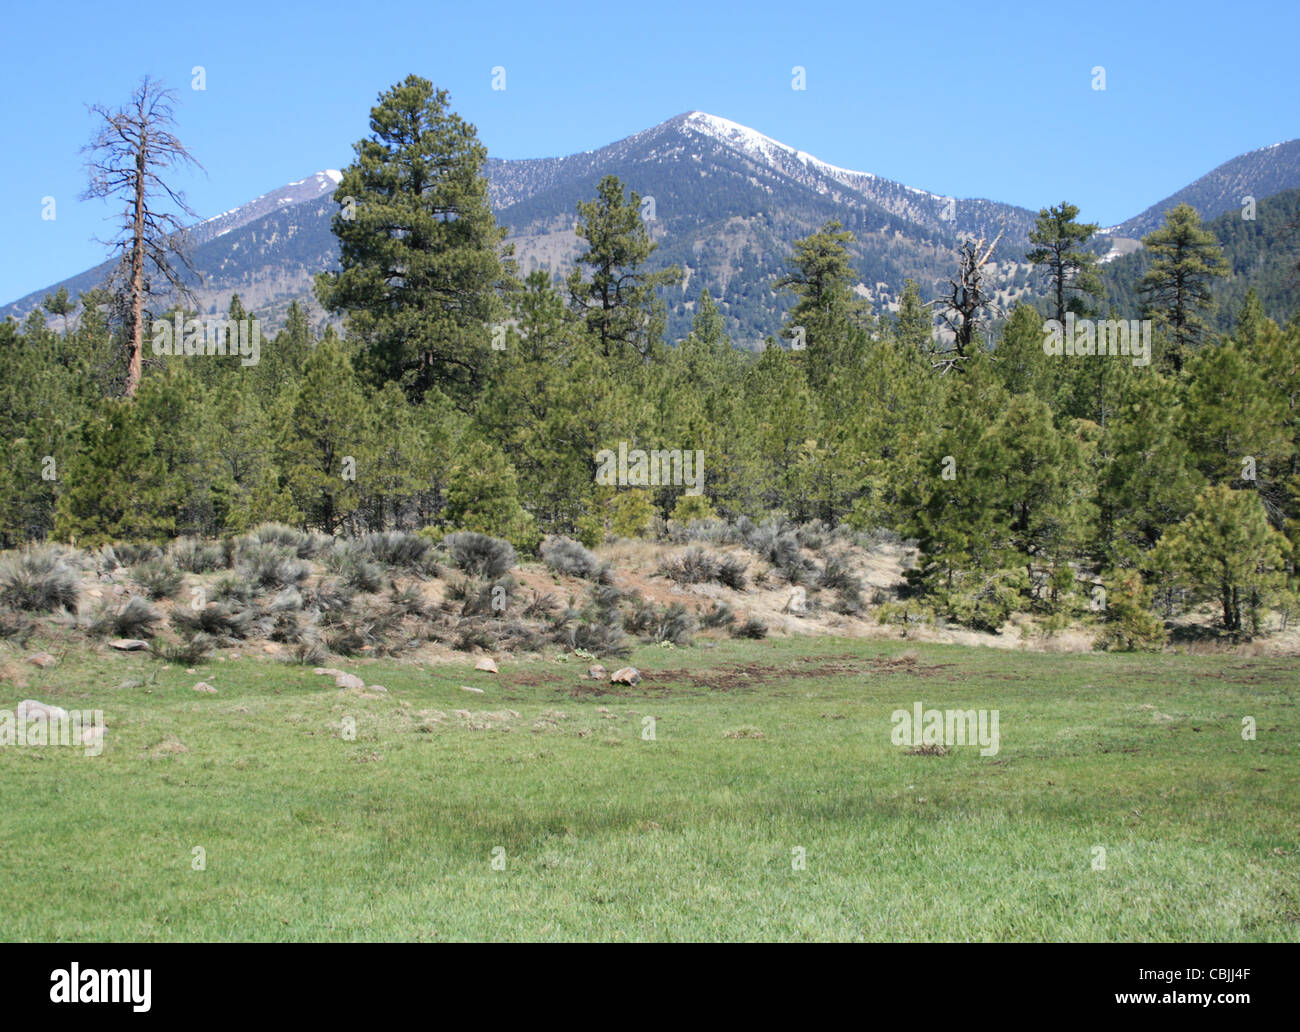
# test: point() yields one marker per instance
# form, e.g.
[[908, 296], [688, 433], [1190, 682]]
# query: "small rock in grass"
[[128, 644], [344, 680], [378, 688], [598, 673], [487, 664], [206, 688], [30, 709], [42, 659], [626, 675], [467, 688]]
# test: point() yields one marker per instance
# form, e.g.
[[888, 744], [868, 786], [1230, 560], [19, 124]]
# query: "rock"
[[204, 687], [270, 649], [344, 680], [598, 673], [626, 675], [30, 709], [129, 645], [326, 671], [42, 659], [378, 688], [487, 664], [467, 688]]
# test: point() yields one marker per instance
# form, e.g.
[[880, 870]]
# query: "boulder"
[[345, 680], [597, 673], [626, 675], [42, 659], [30, 709], [129, 645], [487, 664]]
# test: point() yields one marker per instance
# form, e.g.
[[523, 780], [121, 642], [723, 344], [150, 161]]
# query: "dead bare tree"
[[133, 146], [968, 303]]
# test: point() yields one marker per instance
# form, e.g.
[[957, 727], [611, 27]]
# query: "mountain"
[[727, 205], [1258, 174], [1263, 253]]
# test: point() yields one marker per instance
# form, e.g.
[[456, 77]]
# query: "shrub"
[[328, 596], [597, 637], [836, 574], [158, 577], [694, 566], [191, 649], [408, 601], [361, 575], [483, 497], [37, 581], [848, 601], [297, 542], [16, 627], [568, 557], [719, 615], [310, 652], [230, 620], [490, 599], [675, 624], [232, 588], [272, 566], [691, 507], [398, 548], [781, 549], [135, 619], [630, 513], [194, 556], [129, 554], [479, 554], [1130, 624], [751, 628], [540, 606], [590, 530], [812, 535], [731, 572]]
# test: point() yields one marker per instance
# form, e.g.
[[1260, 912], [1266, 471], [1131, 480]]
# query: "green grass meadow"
[[763, 752]]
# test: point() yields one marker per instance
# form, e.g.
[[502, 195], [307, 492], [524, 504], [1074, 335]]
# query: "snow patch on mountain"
[[763, 148]]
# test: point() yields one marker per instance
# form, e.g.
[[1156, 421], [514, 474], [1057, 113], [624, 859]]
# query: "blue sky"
[[1003, 108]]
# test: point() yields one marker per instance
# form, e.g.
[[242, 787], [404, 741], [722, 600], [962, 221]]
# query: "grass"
[[761, 748]]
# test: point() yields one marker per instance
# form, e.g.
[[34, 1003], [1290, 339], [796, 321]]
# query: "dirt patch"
[[740, 676]]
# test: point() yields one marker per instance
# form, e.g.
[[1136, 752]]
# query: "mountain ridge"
[[727, 203]]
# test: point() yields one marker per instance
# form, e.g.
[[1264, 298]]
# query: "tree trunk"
[[135, 356]]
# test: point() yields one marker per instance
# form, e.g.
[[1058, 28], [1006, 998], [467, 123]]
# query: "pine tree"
[[133, 146], [1226, 550], [614, 294], [420, 250], [1071, 269], [327, 443], [821, 276], [1177, 285]]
